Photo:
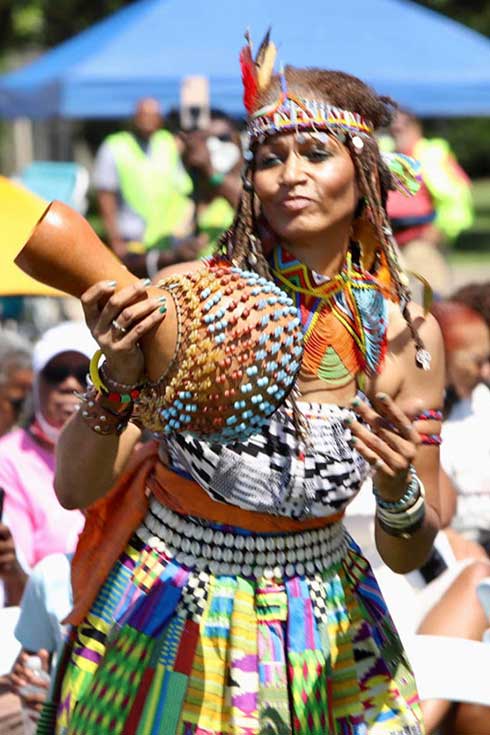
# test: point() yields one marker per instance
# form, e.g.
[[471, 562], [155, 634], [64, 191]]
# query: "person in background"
[[38, 524], [425, 223], [15, 377], [143, 191], [465, 449], [213, 158]]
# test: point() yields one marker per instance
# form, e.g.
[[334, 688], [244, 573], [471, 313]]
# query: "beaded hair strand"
[[375, 190]]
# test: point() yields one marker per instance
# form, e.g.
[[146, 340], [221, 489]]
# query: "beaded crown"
[[239, 348]]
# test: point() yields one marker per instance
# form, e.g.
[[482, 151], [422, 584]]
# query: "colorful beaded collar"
[[294, 114], [344, 318]]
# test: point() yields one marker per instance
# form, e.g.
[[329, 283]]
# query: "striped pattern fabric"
[[172, 649]]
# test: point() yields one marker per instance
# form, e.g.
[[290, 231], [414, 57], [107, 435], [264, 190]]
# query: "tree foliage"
[[27, 24]]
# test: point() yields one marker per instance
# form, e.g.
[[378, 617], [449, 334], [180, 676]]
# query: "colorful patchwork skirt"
[[205, 630]]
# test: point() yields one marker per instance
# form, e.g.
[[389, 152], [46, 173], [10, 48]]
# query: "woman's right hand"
[[118, 320]]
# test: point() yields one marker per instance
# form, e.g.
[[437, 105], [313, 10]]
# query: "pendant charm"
[[423, 359]]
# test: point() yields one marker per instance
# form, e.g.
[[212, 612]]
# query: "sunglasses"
[[57, 373]]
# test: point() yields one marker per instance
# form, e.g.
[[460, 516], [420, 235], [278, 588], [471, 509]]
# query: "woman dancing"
[[239, 604]]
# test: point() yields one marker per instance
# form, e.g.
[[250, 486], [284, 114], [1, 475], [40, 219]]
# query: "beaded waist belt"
[[225, 549]]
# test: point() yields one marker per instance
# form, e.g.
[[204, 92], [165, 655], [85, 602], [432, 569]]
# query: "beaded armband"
[[429, 415], [239, 348]]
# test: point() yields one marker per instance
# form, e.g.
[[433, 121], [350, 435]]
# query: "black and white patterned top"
[[274, 471]]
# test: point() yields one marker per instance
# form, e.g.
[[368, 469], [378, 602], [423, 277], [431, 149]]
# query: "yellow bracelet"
[[94, 373]]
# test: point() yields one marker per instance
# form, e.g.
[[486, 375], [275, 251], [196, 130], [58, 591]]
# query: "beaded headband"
[[294, 114]]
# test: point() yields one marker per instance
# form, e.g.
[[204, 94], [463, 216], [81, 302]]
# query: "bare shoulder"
[[178, 269], [425, 324], [426, 384]]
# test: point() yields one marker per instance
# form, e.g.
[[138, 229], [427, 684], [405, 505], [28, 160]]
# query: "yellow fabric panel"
[[20, 210]]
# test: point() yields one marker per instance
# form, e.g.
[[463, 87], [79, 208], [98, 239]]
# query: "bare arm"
[[88, 463], [392, 444]]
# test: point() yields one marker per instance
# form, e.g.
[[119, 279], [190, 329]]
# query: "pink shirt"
[[38, 523]]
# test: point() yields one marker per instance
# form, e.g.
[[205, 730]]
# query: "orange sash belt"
[[111, 521]]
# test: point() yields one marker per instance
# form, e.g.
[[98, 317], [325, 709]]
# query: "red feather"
[[249, 79]]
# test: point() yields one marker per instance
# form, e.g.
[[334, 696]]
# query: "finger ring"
[[379, 464], [118, 327]]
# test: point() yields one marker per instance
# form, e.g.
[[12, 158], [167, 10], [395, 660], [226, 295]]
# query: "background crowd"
[[162, 194]]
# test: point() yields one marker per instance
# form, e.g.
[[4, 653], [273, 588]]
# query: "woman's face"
[[63, 375], [469, 364], [307, 186]]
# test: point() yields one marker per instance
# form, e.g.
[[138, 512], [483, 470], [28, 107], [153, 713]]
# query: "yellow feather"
[[265, 67]]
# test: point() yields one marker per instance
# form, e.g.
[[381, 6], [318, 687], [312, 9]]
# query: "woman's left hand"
[[387, 439]]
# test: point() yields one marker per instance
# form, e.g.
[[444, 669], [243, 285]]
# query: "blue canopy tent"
[[424, 60]]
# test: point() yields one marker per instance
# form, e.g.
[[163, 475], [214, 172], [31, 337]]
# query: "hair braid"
[[375, 181]]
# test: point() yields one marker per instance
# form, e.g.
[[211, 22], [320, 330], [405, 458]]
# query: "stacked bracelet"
[[404, 516], [100, 415]]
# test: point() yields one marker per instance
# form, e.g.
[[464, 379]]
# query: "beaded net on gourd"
[[239, 348]]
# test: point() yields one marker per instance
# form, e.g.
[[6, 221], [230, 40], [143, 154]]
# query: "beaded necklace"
[[344, 318]]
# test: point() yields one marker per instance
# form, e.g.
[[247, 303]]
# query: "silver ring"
[[118, 327]]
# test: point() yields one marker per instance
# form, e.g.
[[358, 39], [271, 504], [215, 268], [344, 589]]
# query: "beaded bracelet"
[[430, 414], [114, 391], [408, 498], [403, 523], [100, 417]]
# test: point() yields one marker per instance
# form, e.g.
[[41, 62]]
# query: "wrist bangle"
[[216, 178], [100, 417], [403, 517]]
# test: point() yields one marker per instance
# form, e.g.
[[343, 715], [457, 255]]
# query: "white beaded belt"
[[193, 544]]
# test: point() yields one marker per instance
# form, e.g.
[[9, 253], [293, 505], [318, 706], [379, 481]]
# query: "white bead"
[[258, 572], [300, 555], [249, 557], [277, 572], [195, 548], [310, 567], [271, 558], [290, 542], [289, 570], [260, 559], [281, 557], [247, 570], [186, 545], [250, 543], [217, 553], [281, 543], [239, 541], [300, 570], [198, 532], [299, 541], [218, 537], [270, 543], [260, 543], [229, 539], [208, 535], [309, 552], [227, 555], [214, 567], [268, 573], [206, 551]]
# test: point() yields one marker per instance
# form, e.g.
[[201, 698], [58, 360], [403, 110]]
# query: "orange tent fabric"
[[20, 210]]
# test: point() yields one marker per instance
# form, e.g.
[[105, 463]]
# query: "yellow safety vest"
[[154, 184]]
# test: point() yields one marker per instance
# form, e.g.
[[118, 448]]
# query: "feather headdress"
[[256, 73]]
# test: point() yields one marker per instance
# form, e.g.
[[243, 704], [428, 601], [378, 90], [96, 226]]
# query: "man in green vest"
[[144, 192]]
